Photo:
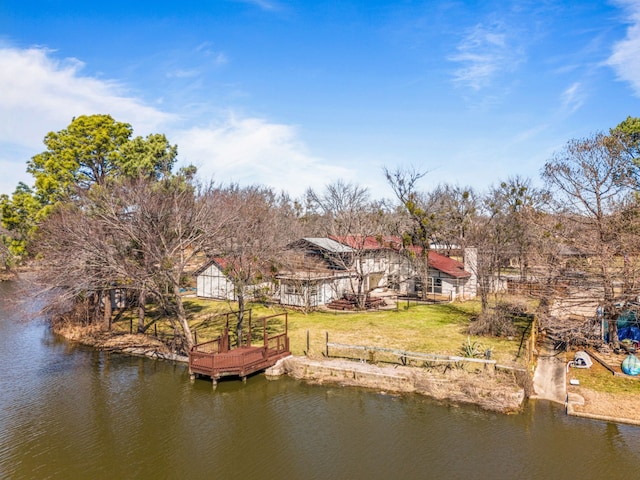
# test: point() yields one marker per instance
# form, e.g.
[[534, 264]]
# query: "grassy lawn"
[[439, 329], [600, 379]]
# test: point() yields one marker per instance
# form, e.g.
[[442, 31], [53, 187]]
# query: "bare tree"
[[75, 260], [455, 209], [517, 202], [252, 242], [350, 218], [422, 225], [592, 180], [140, 234]]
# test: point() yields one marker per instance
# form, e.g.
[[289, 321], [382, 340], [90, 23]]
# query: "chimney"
[[470, 255]]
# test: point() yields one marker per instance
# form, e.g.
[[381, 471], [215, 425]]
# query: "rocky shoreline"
[[489, 389], [497, 390], [137, 344]]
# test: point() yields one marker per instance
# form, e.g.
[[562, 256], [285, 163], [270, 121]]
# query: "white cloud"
[[183, 73], [220, 59], [625, 59], [572, 98], [206, 49], [263, 4], [252, 150], [528, 134], [483, 54], [39, 94]]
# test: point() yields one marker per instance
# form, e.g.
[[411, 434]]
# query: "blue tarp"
[[628, 327]]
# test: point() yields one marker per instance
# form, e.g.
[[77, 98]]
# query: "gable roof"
[[220, 262], [447, 265]]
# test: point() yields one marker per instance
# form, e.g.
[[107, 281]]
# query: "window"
[[435, 285], [291, 289]]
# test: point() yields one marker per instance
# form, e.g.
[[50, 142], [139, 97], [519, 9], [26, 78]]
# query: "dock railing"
[[216, 358]]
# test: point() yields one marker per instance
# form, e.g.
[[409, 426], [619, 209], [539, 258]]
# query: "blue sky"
[[296, 94]]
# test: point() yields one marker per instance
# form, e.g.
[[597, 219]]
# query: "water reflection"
[[74, 413]]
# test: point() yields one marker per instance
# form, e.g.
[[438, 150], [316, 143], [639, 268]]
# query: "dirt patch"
[[136, 340], [601, 394], [622, 406]]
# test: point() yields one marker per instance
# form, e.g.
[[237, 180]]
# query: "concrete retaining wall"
[[487, 388]]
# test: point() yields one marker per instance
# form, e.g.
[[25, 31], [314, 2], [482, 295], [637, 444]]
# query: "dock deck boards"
[[215, 359]]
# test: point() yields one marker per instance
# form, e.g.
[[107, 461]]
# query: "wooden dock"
[[216, 358]]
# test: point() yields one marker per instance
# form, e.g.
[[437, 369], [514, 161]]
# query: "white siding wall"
[[315, 293], [212, 283]]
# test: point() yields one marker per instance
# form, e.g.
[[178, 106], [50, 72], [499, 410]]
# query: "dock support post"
[[192, 377], [215, 384], [244, 379]]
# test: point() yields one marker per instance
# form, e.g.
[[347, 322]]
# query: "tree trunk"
[[425, 266], [361, 297], [182, 319], [108, 308], [614, 341], [239, 325], [484, 301], [94, 307], [142, 301], [611, 314]]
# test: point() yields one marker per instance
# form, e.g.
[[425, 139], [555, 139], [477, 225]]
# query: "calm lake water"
[[68, 412]]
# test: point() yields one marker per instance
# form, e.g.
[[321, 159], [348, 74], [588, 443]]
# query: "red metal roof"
[[222, 262], [436, 260], [447, 265]]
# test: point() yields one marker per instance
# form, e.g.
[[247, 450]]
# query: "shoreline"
[[491, 389], [496, 391], [576, 401]]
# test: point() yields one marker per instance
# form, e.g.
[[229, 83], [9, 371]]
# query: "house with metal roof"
[[326, 269], [315, 271]]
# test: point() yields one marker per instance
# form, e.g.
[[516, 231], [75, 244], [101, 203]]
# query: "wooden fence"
[[370, 354]]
